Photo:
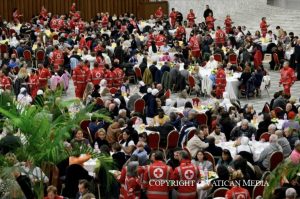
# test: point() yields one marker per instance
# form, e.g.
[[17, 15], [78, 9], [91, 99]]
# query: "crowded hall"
[[161, 102]]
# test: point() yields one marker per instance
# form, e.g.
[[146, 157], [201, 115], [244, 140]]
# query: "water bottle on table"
[[285, 117], [205, 175]]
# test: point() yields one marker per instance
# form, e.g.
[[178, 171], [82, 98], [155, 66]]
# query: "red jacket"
[[220, 37], [159, 13], [237, 192], [57, 55], [100, 61], [34, 85], [5, 82], [228, 23], [98, 48], [150, 39], [287, 76], [221, 78], [258, 57], [173, 18], [263, 27], [44, 75], [81, 75], [160, 40], [154, 180], [97, 75], [189, 173], [194, 43], [54, 23], [43, 13], [191, 18], [180, 32], [104, 21], [210, 22]]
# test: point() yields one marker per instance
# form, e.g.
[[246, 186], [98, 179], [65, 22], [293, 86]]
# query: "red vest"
[[100, 61], [160, 40], [154, 180], [44, 75], [33, 84], [109, 76], [4, 82], [159, 13], [287, 76], [227, 24], [220, 37], [191, 19], [97, 75], [221, 78], [180, 32], [104, 21], [173, 18], [81, 75], [188, 173], [194, 44]]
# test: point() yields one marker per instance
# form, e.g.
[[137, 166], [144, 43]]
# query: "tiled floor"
[[290, 4]]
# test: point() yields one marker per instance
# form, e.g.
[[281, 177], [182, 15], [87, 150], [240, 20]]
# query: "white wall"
[[220, 7]]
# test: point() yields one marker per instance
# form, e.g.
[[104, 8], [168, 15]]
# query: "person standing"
[[186, 172], [220, 81], [195, 46], [228, 24], [159, 13], [207, 12], [155, 173], [220, 37], [210, 22], [297, 58], [264, 27], [97, 74], [191, 18], [172, 16], [81, 76], [44, 74], [287, 78]]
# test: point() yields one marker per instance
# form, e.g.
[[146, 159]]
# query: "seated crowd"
[[151, 130]]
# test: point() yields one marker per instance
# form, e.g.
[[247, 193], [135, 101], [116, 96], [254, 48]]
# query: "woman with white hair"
[[244, 146], [24, 98], [103, 85]]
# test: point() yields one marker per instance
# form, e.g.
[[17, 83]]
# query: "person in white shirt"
[[24, 98], [212, 63], [164, 48], [218, 135], [244, 145], [34, 173], [270, 37]]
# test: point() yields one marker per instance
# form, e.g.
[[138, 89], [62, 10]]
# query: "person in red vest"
[[33, 83], [210, 22], [155, 175], [82, 42], [44, 13], [5, 83], [57, 57], [109, 75], [195, 46], [81, 76], [228, 24], [61, 22], [180, 31], [72, 9], [150, 38], [17, 16], [159, 13], [160, 39], [76, 16], [119, 74], [220, 81], [287, 78], [96, 74], [100, 59], [104, 21], [220, 37], [191, 18], [188, 173], [99, 48], [264, 27], [258, 57], [44, 75], [54, 23], [172, 16]]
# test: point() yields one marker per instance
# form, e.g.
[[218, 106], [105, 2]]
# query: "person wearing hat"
[[39, 99], [81, 76]]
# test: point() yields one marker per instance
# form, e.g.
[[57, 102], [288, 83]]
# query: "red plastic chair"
[[153, 140], [84, 125], [232, 58], [220, 192], [266, 108], [99, 101], [15, 52], [172, 140], [196, 101], [258, 191], [218, 57], [191, 134], [168, 94], [139, 106], [192, 83], [201, 118], [27, 55], [265, 136], [210, 158], [40, 56], [278, 110], [113, 90], [275, 159], [276, 61], [3, 48], [138, 73]]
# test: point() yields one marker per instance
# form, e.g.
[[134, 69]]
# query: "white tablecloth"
[[187, 30], [142, 25], [90, 166], [232, 83], [257, 148]]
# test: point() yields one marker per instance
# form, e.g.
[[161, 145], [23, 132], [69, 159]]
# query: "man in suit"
[[297, 58]]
